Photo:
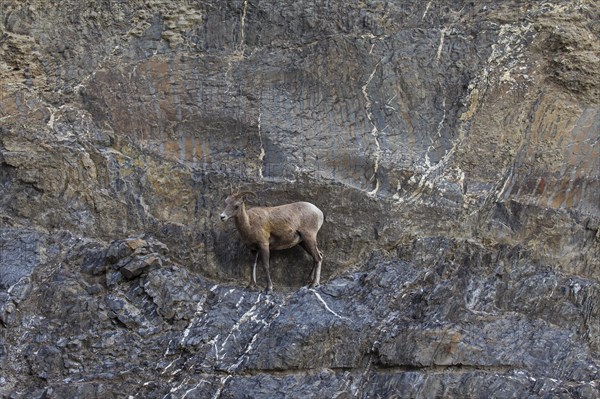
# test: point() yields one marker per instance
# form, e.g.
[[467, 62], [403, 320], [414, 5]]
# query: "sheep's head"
[[233, 204]]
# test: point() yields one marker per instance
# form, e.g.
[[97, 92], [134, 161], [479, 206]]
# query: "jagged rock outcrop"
[[461, 321], [453, 147]]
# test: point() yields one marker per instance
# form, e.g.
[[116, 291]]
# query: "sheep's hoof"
[[251, 287], [269, 290], [313, 285]]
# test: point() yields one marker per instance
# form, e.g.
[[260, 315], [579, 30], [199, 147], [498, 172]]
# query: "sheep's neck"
[[242, 221]]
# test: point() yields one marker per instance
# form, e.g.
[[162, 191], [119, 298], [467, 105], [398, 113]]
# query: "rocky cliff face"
[[453, 146]]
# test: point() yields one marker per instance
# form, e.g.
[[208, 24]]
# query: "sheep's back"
[[295, 216]]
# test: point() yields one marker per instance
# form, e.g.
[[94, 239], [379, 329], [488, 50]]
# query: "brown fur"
[[279, 227]]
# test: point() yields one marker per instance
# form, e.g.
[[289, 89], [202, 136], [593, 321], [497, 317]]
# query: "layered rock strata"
[[453, 147]]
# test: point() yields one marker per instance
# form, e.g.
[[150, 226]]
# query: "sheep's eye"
[[236, 206]]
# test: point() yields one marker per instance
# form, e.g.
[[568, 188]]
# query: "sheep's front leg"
[[264, 255], [252, 284]]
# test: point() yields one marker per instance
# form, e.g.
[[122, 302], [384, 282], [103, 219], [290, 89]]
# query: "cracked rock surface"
[[465, 327], [453, 147]]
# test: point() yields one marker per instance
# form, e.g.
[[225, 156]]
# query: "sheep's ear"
[[243, 194]]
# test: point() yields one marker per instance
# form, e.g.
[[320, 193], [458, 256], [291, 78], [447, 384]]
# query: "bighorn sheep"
[[278, 227]]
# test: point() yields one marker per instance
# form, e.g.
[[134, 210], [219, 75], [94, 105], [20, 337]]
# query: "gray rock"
[[138, 266], [20, 253], [451, 145], [7, 309]]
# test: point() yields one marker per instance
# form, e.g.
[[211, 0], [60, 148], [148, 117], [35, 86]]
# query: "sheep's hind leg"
[[317, 278], [310, 246]]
